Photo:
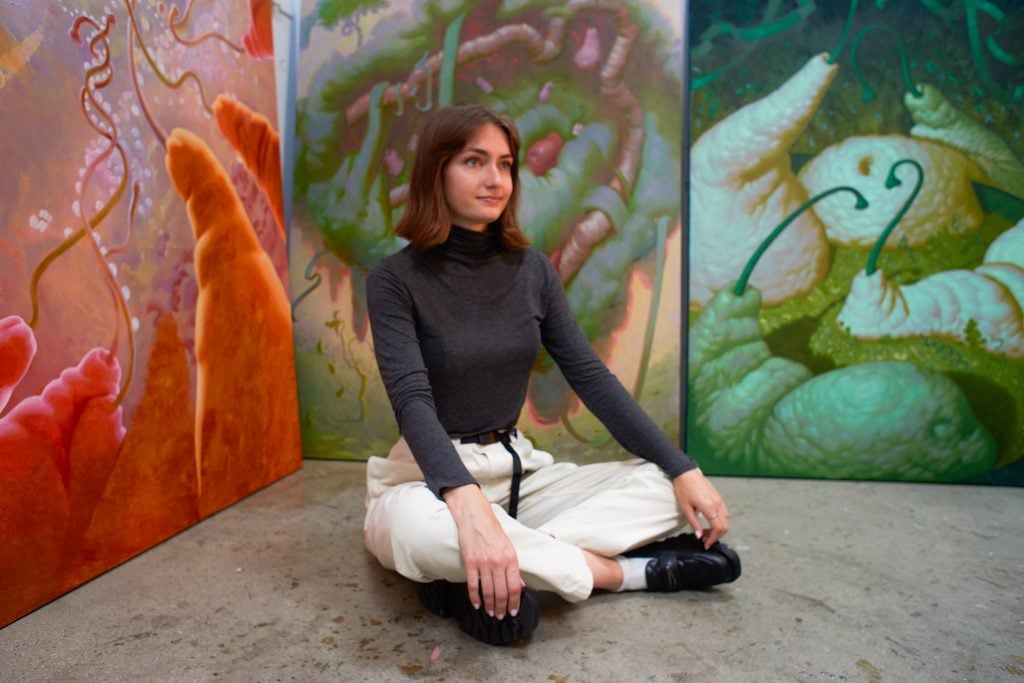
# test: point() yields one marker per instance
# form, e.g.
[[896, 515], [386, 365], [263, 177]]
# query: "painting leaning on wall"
[[595, 89], [857, 231], [145, 335]]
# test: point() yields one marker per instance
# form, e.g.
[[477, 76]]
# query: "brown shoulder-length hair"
[[427, 219]]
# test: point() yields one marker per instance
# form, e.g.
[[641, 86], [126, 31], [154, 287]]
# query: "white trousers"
[[606, 508]]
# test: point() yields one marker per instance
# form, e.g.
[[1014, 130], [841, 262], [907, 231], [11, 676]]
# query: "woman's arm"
[[492, 568], [603, 393], [397, 349]]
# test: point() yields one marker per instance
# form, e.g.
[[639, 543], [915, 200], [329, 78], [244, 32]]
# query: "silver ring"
[[711, 517]]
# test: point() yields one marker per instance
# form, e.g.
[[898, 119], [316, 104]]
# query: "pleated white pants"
[[606, 508]]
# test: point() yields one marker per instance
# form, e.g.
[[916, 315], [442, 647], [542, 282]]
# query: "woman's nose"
[[492, 174]]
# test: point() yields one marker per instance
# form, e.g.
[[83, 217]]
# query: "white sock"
[[634, 573]]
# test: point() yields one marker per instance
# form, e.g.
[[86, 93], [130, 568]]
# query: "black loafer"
[[452, 600], [682, 563]]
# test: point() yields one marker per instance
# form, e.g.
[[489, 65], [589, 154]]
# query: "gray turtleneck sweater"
[[456, 331]]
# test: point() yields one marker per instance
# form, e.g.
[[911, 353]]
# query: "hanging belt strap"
[[504, 436], [517, 474]]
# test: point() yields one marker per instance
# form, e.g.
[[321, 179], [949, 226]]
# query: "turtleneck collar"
[[470, 246]]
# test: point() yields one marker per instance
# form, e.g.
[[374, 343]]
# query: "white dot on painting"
[[68, 231], [97, 206], [75, 208], [113, 269], [135, 324], [126, 293]]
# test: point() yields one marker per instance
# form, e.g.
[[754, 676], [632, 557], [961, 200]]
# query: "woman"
[[464, 504]]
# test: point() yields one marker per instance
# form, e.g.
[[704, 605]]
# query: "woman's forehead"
[[488, 139]]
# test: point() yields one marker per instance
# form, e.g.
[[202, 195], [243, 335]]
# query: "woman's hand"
[[695, 494], [492, 567]]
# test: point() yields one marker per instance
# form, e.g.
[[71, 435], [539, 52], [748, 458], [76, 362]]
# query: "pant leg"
[[606, 508], [411, 531]]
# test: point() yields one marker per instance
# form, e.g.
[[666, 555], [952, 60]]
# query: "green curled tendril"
[[310, 276], [974, 36], [769, 26], [748, 270], [846, 34], [892, 181], [867, 93]]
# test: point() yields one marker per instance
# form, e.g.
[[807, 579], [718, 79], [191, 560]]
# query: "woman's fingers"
[[515, 585], [718, 520], [695, 494], [473, 586], [487, 588]]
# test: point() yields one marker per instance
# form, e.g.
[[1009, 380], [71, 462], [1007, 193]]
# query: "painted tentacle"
[[936, 119], [879, 420], [543, 48], [596, 225], [735, 379], [17, 348], [257, 143], [756, 412], [956, 304], [742, 185]]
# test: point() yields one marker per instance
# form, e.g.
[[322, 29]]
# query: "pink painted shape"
[[542, 155], [74, 412], [589, 55], [17, 349]]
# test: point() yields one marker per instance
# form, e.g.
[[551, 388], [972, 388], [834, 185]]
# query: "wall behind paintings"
[[883, 341], [146, 374], [595, 88]]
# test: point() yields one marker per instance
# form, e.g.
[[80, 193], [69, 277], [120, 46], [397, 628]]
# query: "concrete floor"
[[842, 581]]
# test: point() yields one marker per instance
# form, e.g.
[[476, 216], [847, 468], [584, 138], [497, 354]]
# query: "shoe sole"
[[451, 600]]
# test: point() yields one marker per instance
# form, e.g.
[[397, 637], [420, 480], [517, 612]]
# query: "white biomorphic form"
[[742, 186], [936, 119], [948, 304], [946, 202]]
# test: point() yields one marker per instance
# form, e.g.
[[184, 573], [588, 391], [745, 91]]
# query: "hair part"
[[427, 220]]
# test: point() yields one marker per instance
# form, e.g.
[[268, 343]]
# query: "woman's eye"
[[472, 161]]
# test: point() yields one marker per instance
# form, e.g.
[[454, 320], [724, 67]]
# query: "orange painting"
[[146, 363]]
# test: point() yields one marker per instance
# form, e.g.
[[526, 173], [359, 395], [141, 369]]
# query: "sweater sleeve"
[[599, 389], [400, 361]]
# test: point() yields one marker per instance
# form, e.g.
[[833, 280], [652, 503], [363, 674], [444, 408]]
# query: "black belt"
[[504, 437]]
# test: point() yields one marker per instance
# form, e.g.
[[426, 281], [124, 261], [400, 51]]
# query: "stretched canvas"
[[595, 88], [857, 240], [146, 366]]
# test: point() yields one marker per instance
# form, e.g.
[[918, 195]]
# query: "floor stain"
[[874, 675]]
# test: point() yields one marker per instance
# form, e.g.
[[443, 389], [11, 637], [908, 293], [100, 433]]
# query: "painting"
[[595, 90], [146, 364], [857, 240]]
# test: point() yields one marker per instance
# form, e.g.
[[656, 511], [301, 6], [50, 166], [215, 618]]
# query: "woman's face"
[[478, 180]]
